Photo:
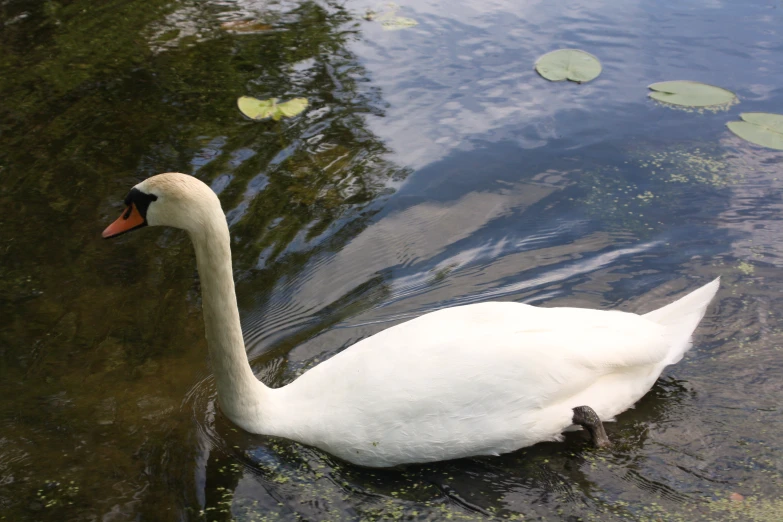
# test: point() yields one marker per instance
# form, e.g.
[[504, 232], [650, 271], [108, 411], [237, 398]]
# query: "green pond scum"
[[557, 195]]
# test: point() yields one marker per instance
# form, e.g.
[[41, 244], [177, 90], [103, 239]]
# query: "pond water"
[[433, 167]]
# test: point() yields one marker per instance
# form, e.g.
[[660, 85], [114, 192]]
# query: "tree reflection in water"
[[98, 348]]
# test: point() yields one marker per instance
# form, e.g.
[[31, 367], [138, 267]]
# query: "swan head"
[[171, 199]]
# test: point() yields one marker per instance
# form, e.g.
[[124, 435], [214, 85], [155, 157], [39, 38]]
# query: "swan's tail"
[[681, 317]]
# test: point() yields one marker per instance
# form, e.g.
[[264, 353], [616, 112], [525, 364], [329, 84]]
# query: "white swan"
[[480, 379]]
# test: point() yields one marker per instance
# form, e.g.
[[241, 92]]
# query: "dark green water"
[[433, 167]]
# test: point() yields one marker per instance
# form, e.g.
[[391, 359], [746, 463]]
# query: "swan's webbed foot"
[[586, 417]]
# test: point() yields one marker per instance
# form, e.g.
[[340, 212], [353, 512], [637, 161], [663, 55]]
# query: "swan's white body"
[[480, 379]]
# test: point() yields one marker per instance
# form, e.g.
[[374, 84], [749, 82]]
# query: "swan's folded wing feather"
[[593, 338], [492, 352], [596, 339], [566, 361]]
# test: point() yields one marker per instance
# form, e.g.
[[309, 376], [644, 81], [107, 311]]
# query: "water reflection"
[[268, 477], [89, 329], [582, 196]]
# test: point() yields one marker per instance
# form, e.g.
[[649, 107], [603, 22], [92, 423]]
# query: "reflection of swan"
[[481, 379]]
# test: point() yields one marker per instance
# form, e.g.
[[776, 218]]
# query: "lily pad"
[[760, 128], [568, 64], [691, 94], [262, 109]]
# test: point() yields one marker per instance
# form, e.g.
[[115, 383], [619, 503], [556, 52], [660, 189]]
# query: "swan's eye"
[[141, 199]]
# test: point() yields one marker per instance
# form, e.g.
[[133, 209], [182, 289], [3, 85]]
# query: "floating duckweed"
[[692, 166]]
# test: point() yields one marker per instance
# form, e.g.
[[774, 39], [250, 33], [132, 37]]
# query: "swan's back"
[[476, 379]]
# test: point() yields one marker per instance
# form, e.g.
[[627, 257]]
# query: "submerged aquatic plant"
[[257, 109], [389, 19]]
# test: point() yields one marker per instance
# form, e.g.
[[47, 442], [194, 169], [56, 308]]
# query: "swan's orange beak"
[[129, 220]]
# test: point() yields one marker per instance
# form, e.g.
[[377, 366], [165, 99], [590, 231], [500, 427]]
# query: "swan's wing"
[[481, 379], [600, 340], [594, 338], [588, 349], [488, 350]]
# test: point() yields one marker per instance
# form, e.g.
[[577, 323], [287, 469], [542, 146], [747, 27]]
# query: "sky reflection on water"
[[434, 167]]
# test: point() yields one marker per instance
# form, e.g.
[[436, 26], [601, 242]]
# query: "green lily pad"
[[568, 64], [691, 94], [760, 128], [262, 109]]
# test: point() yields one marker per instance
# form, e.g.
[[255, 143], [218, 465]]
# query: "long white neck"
[[240, 393]]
